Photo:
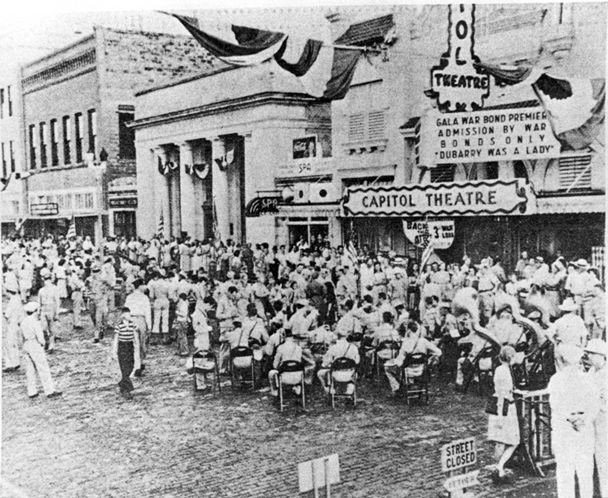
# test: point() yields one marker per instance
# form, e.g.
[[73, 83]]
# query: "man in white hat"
[[14, 314], [596, 350], [570, 328], [33, 354], [577, 282], [98, 301], [575, 403]]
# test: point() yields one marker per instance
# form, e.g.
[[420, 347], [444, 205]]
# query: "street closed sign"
[[458, 454]]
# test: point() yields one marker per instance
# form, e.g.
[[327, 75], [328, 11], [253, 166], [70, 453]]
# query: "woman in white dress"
[[503, 428], [61, 277]]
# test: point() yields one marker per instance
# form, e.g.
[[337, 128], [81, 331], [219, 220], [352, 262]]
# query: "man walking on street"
[[48, 298], [99, 302], [33, 354], [126, 348]]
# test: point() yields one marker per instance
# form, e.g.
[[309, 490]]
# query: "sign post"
[[319, 472]]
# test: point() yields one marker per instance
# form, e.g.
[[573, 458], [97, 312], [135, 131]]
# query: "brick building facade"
[[76, 103]]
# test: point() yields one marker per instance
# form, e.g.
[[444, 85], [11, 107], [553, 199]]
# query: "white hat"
[[581, 263], [31, 307], [597, 346], [568, 305]]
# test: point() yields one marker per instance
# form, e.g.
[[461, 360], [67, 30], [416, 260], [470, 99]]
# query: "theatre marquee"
[[484, 197]]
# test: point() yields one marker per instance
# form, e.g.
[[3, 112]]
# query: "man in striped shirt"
[[127, 350]]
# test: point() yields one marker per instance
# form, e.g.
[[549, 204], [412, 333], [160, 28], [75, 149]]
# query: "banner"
[[440, 233], [474, 137], [484, 197]]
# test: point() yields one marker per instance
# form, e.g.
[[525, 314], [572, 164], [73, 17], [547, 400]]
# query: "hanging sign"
[[484, 197], [262, 205], [472, 137], [305, 147], [455, 82], [440, 232]]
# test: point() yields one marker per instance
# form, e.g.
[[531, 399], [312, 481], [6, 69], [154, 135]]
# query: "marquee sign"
[[44, 209], [455, 82], [499, 135], [484, 197]]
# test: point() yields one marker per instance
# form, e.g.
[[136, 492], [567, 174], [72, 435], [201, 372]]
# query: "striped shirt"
[[126, 331]]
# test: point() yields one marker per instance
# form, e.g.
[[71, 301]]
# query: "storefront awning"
[[572, 204]]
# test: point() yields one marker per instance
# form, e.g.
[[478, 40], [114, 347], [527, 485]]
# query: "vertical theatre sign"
[[455, 82]]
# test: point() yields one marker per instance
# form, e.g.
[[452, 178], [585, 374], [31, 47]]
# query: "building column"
[[161, 188], [186, 186], [220, 189]]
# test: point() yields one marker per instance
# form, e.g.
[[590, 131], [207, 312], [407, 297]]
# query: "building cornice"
[[266, 98]]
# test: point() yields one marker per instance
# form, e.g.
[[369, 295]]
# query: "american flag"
[[426, 254], [160, 231], [71, 229], [216, 231]]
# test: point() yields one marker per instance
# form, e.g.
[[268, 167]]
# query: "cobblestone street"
[[170, 442]]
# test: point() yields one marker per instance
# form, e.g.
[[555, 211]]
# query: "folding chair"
[[386, 350], [415, 377], [241, 359], [205, 363], [291, 374], [343, 371]]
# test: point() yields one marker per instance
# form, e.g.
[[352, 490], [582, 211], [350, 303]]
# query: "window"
[[54, 143], [15, 205], [78, 136], [443, 173], [32, 141], [88, 201], [1, 103], [43, 145], [10, 101], [356, 127], [126, 136], [575, 172], [67, 136], [4, 172], [78, 201], [12, 156], [92, 122], [376, 125]]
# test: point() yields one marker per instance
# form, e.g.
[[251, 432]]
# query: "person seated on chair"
[[289, 350], [383, 333], [349, 322], [402, 315], [321, 338], [200, 324], [341, 349], [413, 343], [255, 330]]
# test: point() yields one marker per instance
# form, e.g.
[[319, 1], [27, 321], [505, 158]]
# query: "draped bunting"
[[575, 106], [4, 182], [325, 71]]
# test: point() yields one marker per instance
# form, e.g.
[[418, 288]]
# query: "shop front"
[[473, 218]]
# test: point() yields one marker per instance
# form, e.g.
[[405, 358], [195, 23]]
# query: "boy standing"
[[127, 350]]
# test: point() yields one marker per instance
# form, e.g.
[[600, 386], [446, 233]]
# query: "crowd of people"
[[314, 304]]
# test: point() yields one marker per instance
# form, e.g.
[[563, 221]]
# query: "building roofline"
[[59, 51], [92, 36], [262, 98], [186, 79]]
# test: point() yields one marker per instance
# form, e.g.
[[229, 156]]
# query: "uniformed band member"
[[33, 354], [596, 352], [341, 349], [288, 351]]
